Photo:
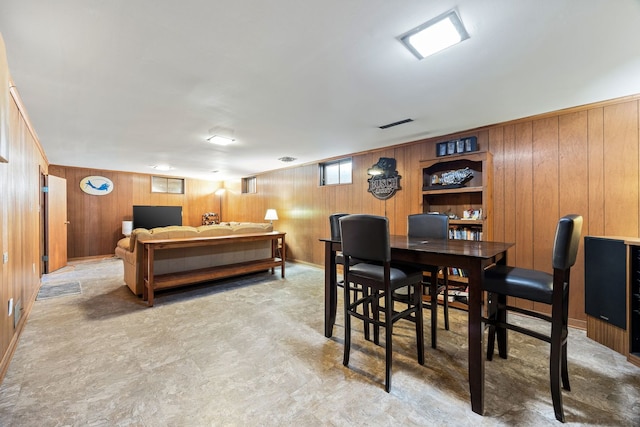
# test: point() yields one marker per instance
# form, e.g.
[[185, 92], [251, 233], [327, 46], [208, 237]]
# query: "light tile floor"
[[251, 352]]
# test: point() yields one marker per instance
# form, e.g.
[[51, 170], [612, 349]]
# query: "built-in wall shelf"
[[468, 203]]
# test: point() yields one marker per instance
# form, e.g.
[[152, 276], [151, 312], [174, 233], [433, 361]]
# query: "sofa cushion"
[[173, 232], [251, 227], [214, 230], [124, 243], [183, 231], [134, 237]]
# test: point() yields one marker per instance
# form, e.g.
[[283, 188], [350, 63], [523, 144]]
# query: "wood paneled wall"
[[95, 222], [582, 160], [21, 232]]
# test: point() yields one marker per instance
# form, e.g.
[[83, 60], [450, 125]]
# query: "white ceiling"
[[128, 84]]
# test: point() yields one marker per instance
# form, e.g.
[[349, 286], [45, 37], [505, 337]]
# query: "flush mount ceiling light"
[[287, 159], [162, 167], [435, 35], [220, 140]]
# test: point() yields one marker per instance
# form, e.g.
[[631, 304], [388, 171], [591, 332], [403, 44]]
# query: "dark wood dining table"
[[473, 256]]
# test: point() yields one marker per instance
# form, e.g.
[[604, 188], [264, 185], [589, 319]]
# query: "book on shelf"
[[450, 298], [465, 233], [461, 295]]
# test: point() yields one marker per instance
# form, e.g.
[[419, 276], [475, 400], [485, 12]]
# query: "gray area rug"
[[58, 290]]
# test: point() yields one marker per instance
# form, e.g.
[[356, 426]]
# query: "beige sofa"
[[186, 259]]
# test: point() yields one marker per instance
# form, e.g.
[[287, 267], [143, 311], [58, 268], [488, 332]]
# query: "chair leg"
[[446, 307], [556, 393], [492, 312], [375, 306], [491, 339], [565, 338], [388, 320], [365, 311], [564, 369], [347, 325], [445, 275], [555, 366], [433, 291], [417, 294], [501, 332]]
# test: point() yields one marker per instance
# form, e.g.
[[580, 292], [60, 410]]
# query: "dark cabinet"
[[634, 318], [605, 279]]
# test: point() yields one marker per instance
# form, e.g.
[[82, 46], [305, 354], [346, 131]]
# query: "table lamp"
[[271, 215], [127, 226]]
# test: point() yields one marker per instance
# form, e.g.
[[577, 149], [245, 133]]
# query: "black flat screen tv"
[[156, 216]]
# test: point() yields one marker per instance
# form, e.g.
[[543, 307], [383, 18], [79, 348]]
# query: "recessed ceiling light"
[[220, 140], [435, 35], [162, 167], [287, 159]]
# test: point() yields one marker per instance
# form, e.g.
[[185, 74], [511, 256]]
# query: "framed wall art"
[[457, 146]]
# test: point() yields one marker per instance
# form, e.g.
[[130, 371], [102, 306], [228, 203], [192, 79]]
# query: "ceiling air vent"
[[401, 122]]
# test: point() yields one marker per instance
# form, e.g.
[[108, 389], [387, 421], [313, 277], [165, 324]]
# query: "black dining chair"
[[366, 237], [541, 287], [430, 226], [334, 225]]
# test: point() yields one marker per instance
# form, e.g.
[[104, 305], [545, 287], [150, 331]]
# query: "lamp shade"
[[271, 215], [127, 227]]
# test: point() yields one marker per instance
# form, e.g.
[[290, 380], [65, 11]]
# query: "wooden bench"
[[171, 280]]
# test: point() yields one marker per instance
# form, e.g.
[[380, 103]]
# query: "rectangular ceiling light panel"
[[220, 140], [435, 35]]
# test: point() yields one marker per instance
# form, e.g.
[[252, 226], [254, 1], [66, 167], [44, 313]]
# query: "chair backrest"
[[434, 226], [567, 240], [334, 223], [366, 237]]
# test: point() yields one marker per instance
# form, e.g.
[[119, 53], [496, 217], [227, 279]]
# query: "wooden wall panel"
[[20, 229], [524, 194], [621, 169], [496, 147], [545, 193], [523, 190], [545, 190], [510, 190], [574, 176], [595, 184]]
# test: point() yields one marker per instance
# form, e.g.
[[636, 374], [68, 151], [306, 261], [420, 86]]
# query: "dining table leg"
[[475, 337], [433, 293], [330, 289]]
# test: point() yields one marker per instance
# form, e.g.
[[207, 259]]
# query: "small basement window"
[[249, 185], [161, 184], [336, 172]]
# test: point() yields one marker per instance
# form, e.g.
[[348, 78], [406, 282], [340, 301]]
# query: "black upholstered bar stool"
[[366, 237], [334, 225], [430, 226], [541, 287]]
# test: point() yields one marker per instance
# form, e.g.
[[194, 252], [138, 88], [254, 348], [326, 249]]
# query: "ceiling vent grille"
[[401, 122]]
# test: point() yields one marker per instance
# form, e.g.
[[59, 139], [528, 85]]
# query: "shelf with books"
[[467, 201], [457, 232], [460, 305]]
